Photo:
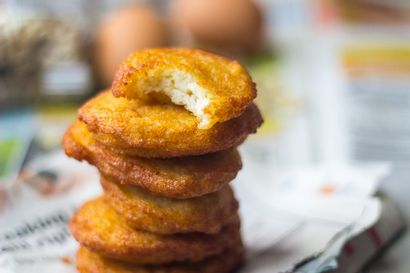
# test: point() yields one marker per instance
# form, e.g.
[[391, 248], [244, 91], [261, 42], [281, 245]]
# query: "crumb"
[[66, 260]]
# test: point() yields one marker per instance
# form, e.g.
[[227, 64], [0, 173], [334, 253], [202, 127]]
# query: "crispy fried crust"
[[227, 261], [175, 177], [154, 130], [228, 84], [144, 211], [99, 228]]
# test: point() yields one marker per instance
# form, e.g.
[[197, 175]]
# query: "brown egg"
[[233, 25], [122, 32]]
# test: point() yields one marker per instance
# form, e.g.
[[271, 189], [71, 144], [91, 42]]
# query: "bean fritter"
[[138, 128], [214, 88], [226, 262], [144, 211], [101, 229], [179, 178]]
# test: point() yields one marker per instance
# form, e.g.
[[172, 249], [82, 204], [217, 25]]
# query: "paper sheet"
[[286, 217]]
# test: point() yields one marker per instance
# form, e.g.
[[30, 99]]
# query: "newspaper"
[[287, 216]]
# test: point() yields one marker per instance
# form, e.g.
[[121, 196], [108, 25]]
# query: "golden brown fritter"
[[135, 127], [99, 228], [214, 88], [174, 177], [144, 211], [226, 262]]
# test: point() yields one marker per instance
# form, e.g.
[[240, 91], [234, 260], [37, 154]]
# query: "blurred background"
[[333, 75]]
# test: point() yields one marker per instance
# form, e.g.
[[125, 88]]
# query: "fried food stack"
[[164, 139]]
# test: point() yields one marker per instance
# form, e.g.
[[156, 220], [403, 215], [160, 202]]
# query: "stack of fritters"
[[164, 140]]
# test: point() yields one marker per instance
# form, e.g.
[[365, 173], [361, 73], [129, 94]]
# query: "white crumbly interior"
[[182, 89]]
